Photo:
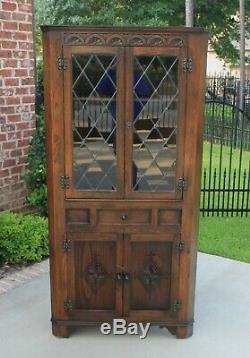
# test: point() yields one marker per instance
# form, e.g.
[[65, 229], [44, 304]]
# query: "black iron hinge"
[[176, 306], [179, 246], [67, 305], [187, 65], [182, 184], [66, 245], [64, 181], [62, 63]]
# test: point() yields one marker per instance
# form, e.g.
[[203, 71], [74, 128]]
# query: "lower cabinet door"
[[150, 290], [95, 291]]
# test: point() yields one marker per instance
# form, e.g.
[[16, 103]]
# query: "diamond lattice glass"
[[94, 92], [155, 94]]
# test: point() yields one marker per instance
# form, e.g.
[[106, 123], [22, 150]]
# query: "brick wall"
[[17, 98]]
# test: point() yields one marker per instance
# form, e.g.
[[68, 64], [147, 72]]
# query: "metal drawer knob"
[[124, 217]]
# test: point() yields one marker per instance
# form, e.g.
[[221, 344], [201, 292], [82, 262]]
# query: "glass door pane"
[[94, 125], [155, 103]]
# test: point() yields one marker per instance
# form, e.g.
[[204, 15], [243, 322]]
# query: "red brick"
[[14, 118], [10, 26], [26, 63], [17, 169], [5, 15], [5, 35], [23, 125], [9, 163], [27, 81], [6, 92], [31, 56], [30, 18], [21, 73], [28, 99], [10, 63], [18, 16], [8, 6], [19, 36], [16, 153], [8, 110], [22, 160], [32, 108], [17, 186], [11, 82], [20, 54], [13, 100], [5, 73], [14, 135], [24, 7], [32, 90], [5, 53], [22, 108], [25, 27], [9, 145], [23, 143], [25, 150], [4, 173], [9, 44], [2, 137], [28, 133], [11, 180], [26, 45], [22, 90], [8, 127]]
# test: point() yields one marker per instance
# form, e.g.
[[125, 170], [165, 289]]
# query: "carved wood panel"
[[95, 267], [123, 39], [150, 265]]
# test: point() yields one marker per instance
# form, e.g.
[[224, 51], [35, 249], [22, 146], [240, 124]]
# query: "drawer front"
[[169, 217], [123, 217]]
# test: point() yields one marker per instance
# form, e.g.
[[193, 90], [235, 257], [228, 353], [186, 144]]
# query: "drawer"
[[77, 216], [123, 217], [169, 217]]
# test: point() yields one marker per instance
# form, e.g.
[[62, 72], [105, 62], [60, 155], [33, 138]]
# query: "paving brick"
[[19, 277]]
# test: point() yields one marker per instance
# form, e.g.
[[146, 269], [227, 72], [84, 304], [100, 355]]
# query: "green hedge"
[[23, 238]]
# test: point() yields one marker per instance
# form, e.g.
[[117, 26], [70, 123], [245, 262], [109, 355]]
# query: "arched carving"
[[123, 39]]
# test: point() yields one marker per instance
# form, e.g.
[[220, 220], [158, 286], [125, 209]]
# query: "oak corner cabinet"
[[124, 119]]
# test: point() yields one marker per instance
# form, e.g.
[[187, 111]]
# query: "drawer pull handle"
[[122, 276], [124, 217], [119, 276], [126, 276]]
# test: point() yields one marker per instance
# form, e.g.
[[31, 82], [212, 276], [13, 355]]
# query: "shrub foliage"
[[23, 238], [35, 177]]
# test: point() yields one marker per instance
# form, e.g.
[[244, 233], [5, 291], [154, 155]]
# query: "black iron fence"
[[226, 156]]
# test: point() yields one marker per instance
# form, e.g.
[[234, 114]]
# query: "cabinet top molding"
[[123, 36], [122, 29]]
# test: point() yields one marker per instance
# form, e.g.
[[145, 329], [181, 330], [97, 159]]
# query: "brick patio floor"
[[19, 277]]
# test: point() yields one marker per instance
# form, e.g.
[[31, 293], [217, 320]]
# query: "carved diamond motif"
[[95, 274], [151, 273]]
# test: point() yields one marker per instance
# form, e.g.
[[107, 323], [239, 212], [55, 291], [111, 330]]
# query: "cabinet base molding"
[[63, 328]]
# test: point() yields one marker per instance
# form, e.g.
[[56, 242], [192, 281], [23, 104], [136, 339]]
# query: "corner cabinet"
[[124, 115]]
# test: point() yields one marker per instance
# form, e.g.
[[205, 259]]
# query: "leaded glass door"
[[94, 110], [154, 122]]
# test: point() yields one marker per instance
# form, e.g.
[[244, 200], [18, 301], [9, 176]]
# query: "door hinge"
[[66, 245], [182, 184], [187, 65], [64, 181], [62, 63], [176, 306], [67, 305], [179, 246]]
